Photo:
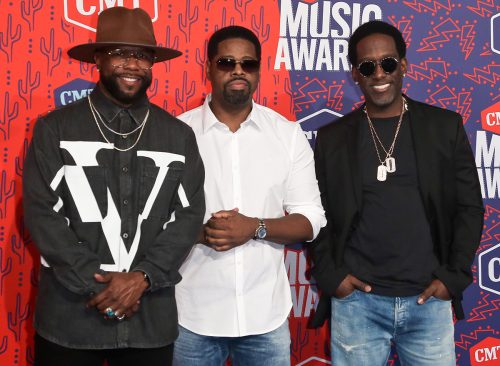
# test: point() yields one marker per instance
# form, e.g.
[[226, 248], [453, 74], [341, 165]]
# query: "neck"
[[392, 110], [232, 116]]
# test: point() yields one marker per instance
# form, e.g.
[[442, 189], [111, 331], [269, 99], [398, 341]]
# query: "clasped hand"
[[122, 293], [227, 229]]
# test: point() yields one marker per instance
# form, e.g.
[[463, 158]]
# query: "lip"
[[381, 88], [130, 80], [238, 84]]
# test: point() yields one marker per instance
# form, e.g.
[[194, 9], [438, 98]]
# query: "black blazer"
[[449, 187]]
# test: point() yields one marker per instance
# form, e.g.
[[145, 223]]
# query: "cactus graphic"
[[18, 317], [5, 269], [187, 20], [9, 38], [18, 247], [153, 88], [299, 341], [20, 159], [289, 92], [208, 3], [171, 44], [8, 116], [26, 89], [4, 344], [241, 7], [28, 11], [201, 59], [53, 54], [69, 30], [6, 193], [182, 95], [261, 28]]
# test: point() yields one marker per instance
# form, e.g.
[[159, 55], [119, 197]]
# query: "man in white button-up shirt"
[[261, 192]]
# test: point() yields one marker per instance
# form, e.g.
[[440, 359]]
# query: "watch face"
[[261, 233]]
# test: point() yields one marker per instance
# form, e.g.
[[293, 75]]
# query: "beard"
[[237, 97], [111, 84]]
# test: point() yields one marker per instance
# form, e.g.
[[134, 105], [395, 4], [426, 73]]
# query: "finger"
[[223, 248], [97, 299], [360, 285], [225, 213], [424, 296], [215, 233], [217, 242], [103, 278]]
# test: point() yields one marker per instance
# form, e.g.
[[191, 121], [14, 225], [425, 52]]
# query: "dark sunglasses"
[[228, 64], [388, 64]]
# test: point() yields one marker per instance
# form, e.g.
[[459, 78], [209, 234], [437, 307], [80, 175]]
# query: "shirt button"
[[125, 235], [124, 169], [125, 202]]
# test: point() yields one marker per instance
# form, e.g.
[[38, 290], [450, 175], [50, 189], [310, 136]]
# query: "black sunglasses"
[[388, 64], [228, 64]]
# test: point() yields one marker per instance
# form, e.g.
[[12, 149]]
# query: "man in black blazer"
[[402, 197]]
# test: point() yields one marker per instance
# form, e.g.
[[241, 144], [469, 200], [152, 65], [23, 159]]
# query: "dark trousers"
[[50, 354]]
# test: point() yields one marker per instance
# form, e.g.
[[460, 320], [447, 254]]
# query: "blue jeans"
[[365, 325], [268, 349]]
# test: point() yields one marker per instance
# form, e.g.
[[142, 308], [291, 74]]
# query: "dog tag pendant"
[[381, 173], [390, 164]]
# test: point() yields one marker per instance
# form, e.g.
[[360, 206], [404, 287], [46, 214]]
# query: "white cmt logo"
[[83, 12], [495, 24], [84, 154], [489, 270]]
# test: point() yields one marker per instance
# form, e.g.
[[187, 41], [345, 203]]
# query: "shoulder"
[[169, 120], [341, 124], [63, 115], [433, 113], [270, 119], [192, 115]]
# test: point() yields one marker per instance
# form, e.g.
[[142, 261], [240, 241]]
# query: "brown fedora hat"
[[119, 26]]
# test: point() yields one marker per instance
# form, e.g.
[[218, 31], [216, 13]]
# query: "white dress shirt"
[[264, 168]]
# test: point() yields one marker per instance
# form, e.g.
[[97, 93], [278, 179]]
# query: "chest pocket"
[[158, 196]]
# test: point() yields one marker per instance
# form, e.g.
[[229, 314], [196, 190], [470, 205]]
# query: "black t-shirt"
[[391, 246]]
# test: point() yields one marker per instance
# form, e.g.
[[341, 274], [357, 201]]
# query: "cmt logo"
[[72, 91], [490, 118], [83, 13], [495, 32], [489, 269], [311, 123], [486, 352]]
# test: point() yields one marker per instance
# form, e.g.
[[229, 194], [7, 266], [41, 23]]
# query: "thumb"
[[424, 296], [103, 278], [360, 285]]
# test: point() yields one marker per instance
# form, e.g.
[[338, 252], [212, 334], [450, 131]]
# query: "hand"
[[348, 285], [228, 229], [122, 293], [437, 289]]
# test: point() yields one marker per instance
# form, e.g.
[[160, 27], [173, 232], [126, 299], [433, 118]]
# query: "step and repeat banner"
[[454, 63]]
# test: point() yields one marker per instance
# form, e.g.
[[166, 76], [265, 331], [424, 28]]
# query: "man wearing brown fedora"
[[113, 198]]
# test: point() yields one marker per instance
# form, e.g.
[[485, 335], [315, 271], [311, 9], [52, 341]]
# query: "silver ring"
[[109, 312], [121, 317]]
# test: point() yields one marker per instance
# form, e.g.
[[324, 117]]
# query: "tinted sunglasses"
[[388, 64], [228, 64]]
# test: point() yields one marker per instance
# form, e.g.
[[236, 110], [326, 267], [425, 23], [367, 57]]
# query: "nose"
[[131, 63], [238, 70]]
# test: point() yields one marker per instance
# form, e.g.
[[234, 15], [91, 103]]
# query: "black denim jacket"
[[91, 208]]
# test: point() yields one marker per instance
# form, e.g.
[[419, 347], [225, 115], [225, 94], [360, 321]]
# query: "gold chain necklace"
[[141, 126], [388, 164]]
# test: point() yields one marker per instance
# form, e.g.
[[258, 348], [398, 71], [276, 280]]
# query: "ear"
[[207, 70], [97, 60], [404, 64], [355, 75]]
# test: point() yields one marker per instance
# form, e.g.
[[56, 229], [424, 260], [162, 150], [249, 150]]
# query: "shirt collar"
[[209, 120], [110, 110]]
